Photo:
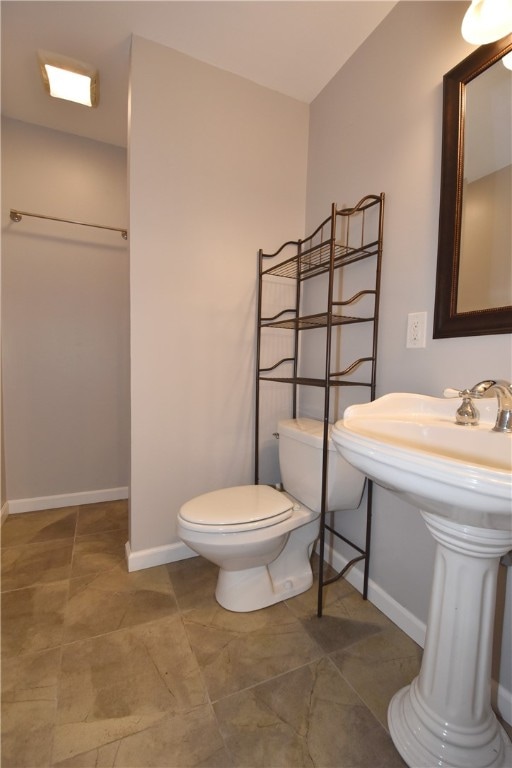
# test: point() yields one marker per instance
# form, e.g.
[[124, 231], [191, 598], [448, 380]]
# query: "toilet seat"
[[231, 510]]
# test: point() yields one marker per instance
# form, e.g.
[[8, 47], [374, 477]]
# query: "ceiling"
[[292, 47]]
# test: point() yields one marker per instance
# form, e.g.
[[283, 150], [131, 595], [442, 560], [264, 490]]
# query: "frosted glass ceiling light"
[[69, 79], [486, 21]]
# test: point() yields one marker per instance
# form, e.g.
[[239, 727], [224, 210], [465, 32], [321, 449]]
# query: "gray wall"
[[217, 170], [65, 315], [377, 127]]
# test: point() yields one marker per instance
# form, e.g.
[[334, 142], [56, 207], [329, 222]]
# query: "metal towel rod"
[[17, 216]]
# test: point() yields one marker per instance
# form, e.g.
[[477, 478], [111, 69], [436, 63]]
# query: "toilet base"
[[254, 588], [288, 575]]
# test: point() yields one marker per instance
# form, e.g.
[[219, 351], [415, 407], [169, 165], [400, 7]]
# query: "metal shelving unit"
[[347, 236]]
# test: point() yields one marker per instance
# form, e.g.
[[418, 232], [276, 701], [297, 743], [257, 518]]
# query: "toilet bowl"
[[249, 551], [262, 538]]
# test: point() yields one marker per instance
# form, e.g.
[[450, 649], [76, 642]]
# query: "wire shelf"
[[313, 321], [317, 260], [315, 382]]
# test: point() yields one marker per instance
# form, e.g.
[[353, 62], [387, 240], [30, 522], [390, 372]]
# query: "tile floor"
[[105, 668]]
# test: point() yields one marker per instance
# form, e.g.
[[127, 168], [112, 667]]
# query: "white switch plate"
[[416, 330]]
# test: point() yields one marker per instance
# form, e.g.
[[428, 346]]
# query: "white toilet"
[[262, 538]]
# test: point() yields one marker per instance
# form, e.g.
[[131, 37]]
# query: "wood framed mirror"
[[474, 261]]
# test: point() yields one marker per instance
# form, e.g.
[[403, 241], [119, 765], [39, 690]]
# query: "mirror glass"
[[486, 227], [474, 262]]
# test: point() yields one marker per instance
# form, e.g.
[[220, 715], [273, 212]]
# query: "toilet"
[[262, 538]]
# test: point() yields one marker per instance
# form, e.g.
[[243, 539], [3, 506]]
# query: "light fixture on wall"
[[486, 21], [68, 79]]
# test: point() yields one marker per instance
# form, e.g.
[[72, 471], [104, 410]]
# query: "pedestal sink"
[[460, 477]]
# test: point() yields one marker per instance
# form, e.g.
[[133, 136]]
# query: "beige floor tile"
[[102, 757], [117, 599], [104, 516], [128, 682], [98, 552], [31, 564], [31, 676], [27, 733], [308, 717], [29, 705], [33, 527], [175, 741], [378, 666], [194, 581], [33, 618], [346, 619], [237, 650], [142, 651]]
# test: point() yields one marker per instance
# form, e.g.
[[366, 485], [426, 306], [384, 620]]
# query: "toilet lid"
[[244, 506]]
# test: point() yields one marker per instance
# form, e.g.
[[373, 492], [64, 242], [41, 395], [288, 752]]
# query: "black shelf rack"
[[347, 236]]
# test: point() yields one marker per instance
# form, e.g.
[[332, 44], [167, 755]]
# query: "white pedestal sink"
[[461, 479]]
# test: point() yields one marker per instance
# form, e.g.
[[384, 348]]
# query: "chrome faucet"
[[503, 391]]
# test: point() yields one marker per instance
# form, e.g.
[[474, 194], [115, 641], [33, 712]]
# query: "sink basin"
[[460, 478], [411, 445]]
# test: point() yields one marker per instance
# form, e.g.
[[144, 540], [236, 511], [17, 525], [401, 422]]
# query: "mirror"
[[474, 261]]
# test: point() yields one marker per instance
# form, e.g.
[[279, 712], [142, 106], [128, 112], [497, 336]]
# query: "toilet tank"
[[300, 460]]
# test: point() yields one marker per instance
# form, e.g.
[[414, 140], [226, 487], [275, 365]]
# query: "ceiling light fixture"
[[507, 60], [486, 21], [68, 79]]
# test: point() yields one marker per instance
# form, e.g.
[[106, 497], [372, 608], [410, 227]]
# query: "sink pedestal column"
[[444, 718]]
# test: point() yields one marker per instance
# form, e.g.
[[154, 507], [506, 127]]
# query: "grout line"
[[271, 679], [359, 696]]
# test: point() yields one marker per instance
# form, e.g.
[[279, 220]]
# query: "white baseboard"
[[16, 506], [148, 558], [4, 512], [399, 615]]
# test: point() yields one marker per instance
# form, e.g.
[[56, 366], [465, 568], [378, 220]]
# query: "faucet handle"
[[450, 392], [467, 414], [478, 391]]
